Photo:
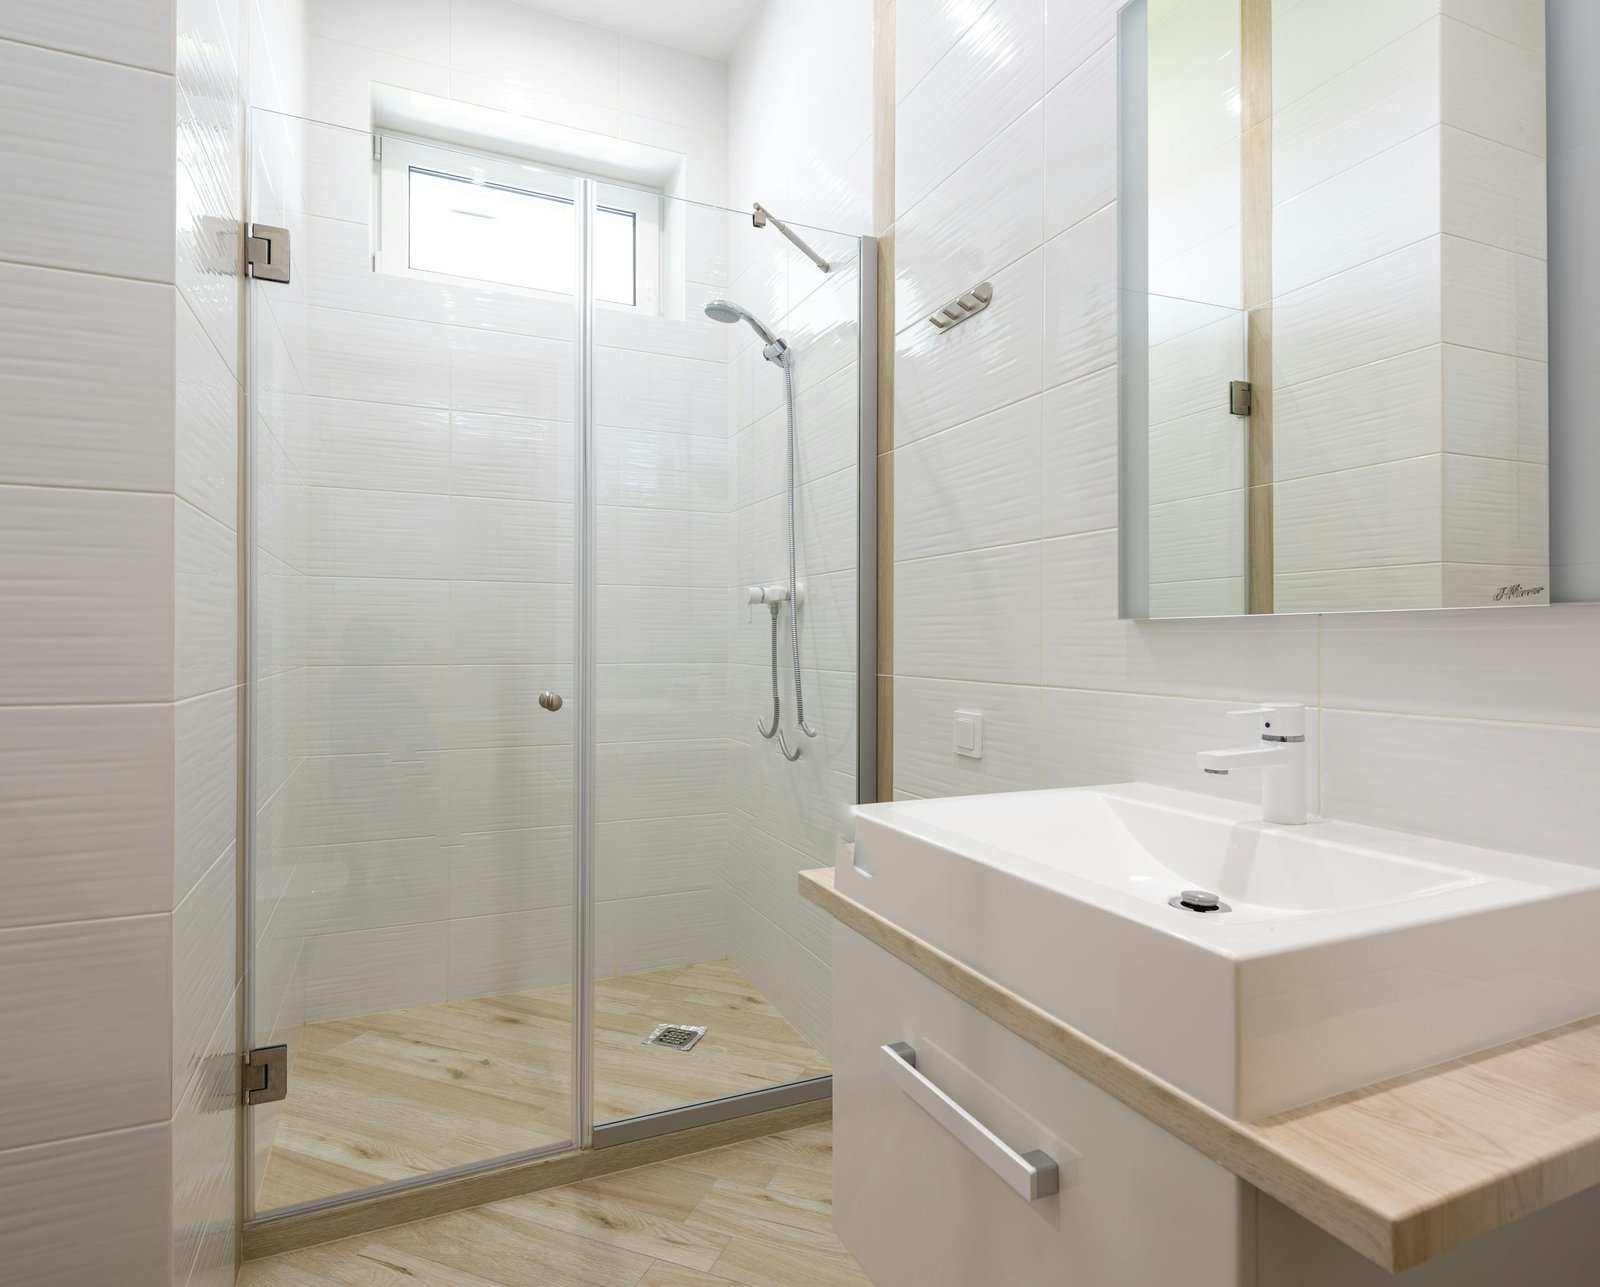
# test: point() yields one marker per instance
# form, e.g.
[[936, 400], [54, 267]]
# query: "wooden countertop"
[[1401, 1171]]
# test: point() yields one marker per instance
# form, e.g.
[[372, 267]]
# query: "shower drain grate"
[[677, 1035]]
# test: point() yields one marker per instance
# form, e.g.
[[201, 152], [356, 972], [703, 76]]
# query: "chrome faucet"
[[1281, 757]]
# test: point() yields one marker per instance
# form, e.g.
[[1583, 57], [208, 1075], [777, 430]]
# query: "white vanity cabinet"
[[918, 1204], [927, 1173]]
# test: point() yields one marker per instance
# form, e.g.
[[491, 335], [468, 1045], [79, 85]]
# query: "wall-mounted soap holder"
[[963, 306]]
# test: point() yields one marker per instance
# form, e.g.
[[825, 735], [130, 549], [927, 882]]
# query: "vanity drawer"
[[932, 1162]]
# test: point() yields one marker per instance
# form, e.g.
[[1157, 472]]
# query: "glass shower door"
[[411, 796], [557, 498], [702, 819]]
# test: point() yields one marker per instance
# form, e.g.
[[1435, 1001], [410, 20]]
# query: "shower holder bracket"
[[963, 306]]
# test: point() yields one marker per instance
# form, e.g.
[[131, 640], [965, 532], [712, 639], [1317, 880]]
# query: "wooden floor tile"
[[405, 1093], [691, 1222]]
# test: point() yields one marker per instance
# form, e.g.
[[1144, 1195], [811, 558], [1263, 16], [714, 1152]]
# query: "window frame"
[[397, 156]]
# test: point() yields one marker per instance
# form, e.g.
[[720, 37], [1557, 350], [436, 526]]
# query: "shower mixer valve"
[[769, 594]]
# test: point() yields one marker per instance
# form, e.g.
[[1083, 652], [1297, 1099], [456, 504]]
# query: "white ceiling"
[[711, 28]]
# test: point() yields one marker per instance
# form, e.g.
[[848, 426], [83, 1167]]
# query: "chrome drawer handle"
[[1033, 1175]]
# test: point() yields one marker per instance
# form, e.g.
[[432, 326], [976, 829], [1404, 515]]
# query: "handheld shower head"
[[725, 310]]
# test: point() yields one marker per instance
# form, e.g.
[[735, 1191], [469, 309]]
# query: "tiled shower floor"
[[404, 1093]]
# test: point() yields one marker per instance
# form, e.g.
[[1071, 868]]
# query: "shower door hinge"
[[377, 147], [1239, 397], [266, 1074], [266, 253]]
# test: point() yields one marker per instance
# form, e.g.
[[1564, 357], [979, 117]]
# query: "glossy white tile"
[[992, 74], [662, 930], [1375, 207], [205, 1160], [377, 446], [1492, 87], [366, 971], [1080, 138], [205, 784], [668, 84], [1080, 299], [1385, 307], [1387, 514], [340, 74], [509, 952], [1079, 458], [91, 1209], [206, 430], [1469, 780], [67, 992], [417, 29], [372, 709], [511, 457], [1087, 647], [517, 45], [86, 372], [973, 486], [986, 215], [648, 856], [970, 616], [512, 871], [372, 884], [203, 966], [1391, 409], [205, 603], [99, 138], [87, 580], [139, 34]]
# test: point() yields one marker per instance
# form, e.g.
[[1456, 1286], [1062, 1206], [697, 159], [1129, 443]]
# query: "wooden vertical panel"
[[1255, 92], [883, 216]]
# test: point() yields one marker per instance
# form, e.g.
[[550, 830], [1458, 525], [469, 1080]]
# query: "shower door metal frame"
[[583, 671], [586, 1133]]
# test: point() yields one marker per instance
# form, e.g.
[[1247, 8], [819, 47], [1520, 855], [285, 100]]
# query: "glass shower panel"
[[411, 799], [701, 821]]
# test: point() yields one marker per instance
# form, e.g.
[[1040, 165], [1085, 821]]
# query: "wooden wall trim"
[[1255, 85]]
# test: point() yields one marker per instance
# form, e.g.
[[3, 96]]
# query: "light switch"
[[969, 734]]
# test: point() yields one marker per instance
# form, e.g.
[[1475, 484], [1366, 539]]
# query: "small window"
[[494, 220]]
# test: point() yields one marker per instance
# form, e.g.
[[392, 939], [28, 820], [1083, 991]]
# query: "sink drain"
[[1198, 900]]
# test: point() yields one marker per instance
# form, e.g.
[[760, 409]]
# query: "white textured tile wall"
[[119, 711], [1434, 207], [1479, 726]]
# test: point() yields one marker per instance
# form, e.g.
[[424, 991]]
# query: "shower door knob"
[[550, 701]]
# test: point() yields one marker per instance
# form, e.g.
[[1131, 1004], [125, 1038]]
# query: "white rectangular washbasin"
[[1345, 955]]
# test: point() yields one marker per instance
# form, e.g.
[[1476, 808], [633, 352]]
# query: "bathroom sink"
[[1340, 954]]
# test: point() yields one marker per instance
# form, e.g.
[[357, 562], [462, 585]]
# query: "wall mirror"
[[1339, 387]]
